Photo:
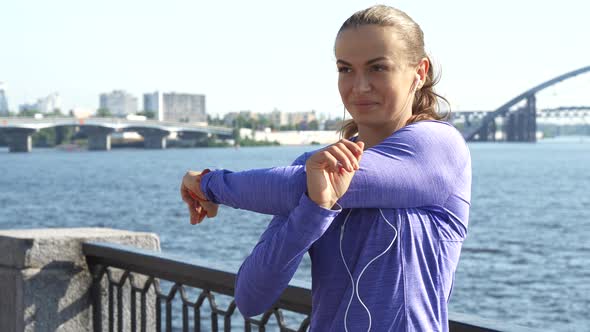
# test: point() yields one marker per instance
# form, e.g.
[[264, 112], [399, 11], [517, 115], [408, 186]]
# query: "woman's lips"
[[364, 104]]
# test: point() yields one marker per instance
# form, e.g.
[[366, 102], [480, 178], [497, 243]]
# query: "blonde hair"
[[425, 105]]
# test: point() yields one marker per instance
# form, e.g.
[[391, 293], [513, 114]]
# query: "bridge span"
[[18, 131], [467, 118], [519, 122]]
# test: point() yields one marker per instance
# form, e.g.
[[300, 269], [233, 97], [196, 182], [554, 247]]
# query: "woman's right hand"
[[330, 171]]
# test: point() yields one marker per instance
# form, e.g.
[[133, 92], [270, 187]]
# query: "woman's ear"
[[422, 71]]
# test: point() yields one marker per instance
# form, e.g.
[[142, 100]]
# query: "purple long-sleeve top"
[[384, 258]]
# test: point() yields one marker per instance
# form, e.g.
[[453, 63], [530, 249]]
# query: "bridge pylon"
[[487, 132], [521, 125]]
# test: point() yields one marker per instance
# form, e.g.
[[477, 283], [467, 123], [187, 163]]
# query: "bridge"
[[18, 131], [562, 115], [565, 112], [519, 122]]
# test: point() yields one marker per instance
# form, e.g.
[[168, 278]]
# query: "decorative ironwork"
[[119, 268], [127, 270]]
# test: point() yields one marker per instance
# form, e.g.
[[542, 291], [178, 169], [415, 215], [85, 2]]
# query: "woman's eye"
[[379, 68], [343, 70]]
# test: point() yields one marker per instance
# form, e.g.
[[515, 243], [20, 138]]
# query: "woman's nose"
[[361, 83]]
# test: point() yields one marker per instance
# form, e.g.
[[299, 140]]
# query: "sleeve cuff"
[[205, 186], [305, 200], [311, 220]]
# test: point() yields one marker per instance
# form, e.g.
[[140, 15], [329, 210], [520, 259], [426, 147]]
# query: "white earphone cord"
[[343, 117], [355, 286]]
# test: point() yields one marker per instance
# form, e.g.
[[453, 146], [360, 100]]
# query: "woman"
[[382, 215]]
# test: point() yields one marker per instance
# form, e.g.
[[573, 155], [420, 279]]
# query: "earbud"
[[416, 82]]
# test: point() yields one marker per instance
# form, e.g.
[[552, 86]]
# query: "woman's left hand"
[[330, 171], [198, 205]]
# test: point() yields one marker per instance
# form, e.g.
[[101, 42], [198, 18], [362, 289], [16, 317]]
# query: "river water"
[[526, 259]]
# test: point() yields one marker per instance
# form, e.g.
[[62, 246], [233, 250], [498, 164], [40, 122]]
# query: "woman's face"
[[374, 78]]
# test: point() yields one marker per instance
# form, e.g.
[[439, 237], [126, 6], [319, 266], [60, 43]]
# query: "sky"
[[261, 54]]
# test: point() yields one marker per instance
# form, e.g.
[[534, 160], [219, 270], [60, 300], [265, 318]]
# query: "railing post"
[[97, 272]]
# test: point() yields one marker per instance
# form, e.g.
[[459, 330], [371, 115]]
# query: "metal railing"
[[124, 265], [154, 267]]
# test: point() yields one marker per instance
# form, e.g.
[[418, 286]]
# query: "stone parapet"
[[44, 279]]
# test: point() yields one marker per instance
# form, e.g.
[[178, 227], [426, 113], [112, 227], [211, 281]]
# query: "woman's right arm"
[[266, 272], [417, 166]]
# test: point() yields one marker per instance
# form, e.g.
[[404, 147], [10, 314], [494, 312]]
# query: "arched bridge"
[[520, 124], [19, 130]]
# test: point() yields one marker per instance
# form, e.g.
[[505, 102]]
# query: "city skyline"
[[148, 104], [488, 52]]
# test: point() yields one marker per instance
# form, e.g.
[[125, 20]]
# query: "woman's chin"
[[368, 122]]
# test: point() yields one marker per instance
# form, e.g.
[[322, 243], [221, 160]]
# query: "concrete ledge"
[[44, 280], [35, 248]]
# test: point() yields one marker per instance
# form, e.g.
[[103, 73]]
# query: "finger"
[[351, 158], [184, 193], [202, 215], [204, 211], [195, 197], [361, 145], [331, 161], [193, 214], [212, 213], [211, 209], [353, 147], [356, 151], [359, 150], [186, 187], [344, 156]]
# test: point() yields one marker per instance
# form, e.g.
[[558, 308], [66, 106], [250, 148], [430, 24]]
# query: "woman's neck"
[[372, 136]]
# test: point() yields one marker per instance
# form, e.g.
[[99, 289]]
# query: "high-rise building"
[[44, 105], [230, 118], [296, 118], [49, 104], [3, 101], [119, 103], [278, 118], [27, 107], [181, 107], [152, 102]]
